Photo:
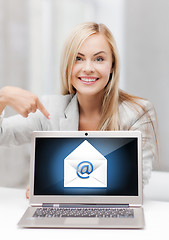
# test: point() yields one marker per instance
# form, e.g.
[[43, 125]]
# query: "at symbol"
[[86, 168]]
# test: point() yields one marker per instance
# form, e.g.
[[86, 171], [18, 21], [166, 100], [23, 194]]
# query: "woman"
[[91, 98]]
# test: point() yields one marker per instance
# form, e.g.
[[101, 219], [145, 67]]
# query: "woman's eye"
[[99, 59], [78, 59]]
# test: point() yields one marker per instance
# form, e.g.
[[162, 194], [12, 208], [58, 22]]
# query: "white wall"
[[14, 45], [147, 60]]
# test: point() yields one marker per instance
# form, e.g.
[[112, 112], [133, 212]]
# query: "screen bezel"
[[82, 199]]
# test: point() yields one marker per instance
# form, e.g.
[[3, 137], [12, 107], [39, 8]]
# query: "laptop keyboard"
[[84, 212]]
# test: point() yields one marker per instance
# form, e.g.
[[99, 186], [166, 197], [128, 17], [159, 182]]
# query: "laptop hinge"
[[53, 205], [50, 205], [93, 205], [135, 205], [45, 205], [36, 205]]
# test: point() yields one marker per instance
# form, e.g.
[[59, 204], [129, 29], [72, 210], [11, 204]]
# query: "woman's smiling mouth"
[[88, 80]]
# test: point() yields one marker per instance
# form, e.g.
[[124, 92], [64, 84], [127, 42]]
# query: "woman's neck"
[[89, 104], [89, 111]]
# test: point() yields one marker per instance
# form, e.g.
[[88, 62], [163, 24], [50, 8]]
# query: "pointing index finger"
[[42, 109]]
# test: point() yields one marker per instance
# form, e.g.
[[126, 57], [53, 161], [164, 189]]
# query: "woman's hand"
[[22, 101], [27, 192]]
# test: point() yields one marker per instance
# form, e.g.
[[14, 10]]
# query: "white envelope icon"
[[85, 167]]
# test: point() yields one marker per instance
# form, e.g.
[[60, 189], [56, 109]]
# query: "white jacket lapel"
[[71, 120]]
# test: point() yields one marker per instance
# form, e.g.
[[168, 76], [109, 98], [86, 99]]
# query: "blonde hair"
[[109, 115]]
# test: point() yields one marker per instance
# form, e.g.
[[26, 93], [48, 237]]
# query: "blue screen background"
[[122, 166]]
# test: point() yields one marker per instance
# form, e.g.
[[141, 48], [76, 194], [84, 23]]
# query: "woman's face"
[[92, 66]]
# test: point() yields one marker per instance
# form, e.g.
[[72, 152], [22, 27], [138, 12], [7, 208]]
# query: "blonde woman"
[[90, 100]]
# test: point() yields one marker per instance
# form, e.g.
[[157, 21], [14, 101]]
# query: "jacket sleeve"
[[146, 123]]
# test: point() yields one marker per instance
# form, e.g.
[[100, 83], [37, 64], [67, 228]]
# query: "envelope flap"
[[85, 151]]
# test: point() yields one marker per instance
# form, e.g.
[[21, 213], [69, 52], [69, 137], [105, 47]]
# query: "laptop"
[[84, 179]]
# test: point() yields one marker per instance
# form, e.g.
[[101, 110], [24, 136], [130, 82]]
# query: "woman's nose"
[[88, 67]]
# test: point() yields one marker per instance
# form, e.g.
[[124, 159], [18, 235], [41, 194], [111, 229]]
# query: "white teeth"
[[88, 79]]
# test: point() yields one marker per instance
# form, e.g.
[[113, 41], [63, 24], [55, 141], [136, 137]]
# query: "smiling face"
[[93, 65]]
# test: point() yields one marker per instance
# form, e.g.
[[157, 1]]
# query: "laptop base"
[[27, 221]]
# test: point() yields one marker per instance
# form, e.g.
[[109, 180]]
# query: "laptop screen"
[[86, 166]]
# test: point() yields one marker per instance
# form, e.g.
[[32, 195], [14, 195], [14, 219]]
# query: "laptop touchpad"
[[81, 221]]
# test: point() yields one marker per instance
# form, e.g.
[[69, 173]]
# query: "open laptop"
[[85, 180]]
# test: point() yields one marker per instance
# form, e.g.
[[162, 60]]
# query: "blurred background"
[[32, 34]]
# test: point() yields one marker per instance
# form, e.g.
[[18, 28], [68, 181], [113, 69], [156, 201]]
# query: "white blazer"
[[64, 113]]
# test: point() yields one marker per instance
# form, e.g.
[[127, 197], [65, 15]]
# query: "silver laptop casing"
[[135, 202]]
